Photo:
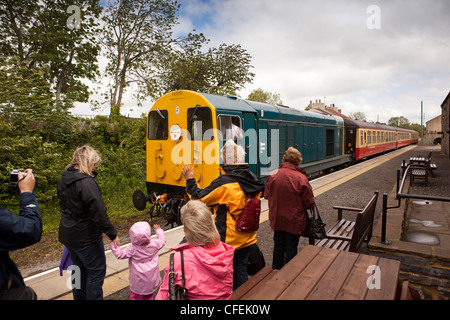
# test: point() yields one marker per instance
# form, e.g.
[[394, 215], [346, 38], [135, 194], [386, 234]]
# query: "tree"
[[260, 95], [186, 66], [219, 70], [24, 94], [39, 33], [399, 122], [358, 116], [136, 32], [230, 68]]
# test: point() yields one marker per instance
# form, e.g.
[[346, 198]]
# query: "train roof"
[[370, 125], [265, 110]]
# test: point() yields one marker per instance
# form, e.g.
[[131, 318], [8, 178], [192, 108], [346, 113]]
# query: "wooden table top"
[[325, 274]]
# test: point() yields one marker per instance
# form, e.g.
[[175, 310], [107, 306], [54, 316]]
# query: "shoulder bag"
[[315, 228], [248, 221], [175, 291]]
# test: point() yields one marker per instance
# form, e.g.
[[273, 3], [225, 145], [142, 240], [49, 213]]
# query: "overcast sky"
[[378, 57]]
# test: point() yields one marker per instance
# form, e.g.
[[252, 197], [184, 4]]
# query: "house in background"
[[320, 107]]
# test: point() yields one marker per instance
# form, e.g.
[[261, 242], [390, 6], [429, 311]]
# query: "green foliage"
[[260, 95], [223, 70], [37, 33]]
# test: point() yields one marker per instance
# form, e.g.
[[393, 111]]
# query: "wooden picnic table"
[[317, 273]]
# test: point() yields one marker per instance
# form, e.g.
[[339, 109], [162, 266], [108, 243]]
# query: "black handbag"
[[176, 292], [315, 228]]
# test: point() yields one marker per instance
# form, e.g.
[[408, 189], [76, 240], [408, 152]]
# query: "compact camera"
[[14, 176]]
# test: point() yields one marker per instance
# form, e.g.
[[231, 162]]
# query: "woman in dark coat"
[[290, 195], [83, 222]]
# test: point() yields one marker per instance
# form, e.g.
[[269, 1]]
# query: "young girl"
[[143, 260]]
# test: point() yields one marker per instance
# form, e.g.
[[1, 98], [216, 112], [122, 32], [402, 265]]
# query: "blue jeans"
[[240, 263], [91, 271]]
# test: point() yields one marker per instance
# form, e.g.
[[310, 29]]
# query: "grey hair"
[[198, 223], [233, 153]]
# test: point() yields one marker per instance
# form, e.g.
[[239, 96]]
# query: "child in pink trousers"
[[143, 260]]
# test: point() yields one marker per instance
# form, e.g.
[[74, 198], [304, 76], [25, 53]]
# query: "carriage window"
[[199, 122], [158, 125], [230, 127]]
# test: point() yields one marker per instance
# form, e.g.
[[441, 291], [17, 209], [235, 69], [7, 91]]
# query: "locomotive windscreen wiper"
[[193, 113], [159, 112]]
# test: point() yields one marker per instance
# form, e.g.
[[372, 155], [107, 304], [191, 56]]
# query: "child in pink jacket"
[[143, 260]]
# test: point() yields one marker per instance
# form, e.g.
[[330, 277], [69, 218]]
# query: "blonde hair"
[[84, 159], [233, 153], [293, 156], [199, 227]]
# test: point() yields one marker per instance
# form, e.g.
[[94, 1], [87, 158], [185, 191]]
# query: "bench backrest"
[[364, 224]]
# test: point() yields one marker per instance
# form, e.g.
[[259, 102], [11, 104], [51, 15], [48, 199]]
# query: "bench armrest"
[[340, 209]]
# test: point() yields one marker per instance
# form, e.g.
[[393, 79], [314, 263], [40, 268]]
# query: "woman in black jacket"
[[83, 222]]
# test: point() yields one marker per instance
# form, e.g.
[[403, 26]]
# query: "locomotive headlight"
[[175, 132]]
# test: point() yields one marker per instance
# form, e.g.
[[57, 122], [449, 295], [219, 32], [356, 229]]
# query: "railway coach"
[[186, 127], [364, 139]]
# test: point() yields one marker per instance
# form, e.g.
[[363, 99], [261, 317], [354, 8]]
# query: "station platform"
[[50, 285], [418, 233]]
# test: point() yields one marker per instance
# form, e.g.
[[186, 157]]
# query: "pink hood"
[[140, 233], [208, 272]]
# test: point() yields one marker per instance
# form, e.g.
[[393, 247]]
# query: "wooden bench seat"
[[349, 235], [419, 173]]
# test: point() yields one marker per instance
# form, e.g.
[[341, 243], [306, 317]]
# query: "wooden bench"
[[424, 161], [420, 160], [348, 235], [419, 172]]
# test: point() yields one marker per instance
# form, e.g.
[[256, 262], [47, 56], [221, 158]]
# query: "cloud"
[[314, 49], [323, 49]]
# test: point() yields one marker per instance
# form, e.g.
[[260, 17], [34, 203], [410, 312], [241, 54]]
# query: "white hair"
[[233, 153]]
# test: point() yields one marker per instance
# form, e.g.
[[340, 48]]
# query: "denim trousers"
[[89, 273], [284, 248], [240, 263]]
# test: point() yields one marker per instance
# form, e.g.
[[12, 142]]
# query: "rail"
[[399, 197]]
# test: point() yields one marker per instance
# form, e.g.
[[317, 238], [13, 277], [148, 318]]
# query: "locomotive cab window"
[[158, 125], [199, 123], [230, 127]]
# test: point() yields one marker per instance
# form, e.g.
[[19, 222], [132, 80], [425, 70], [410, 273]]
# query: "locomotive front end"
[[180, 130]]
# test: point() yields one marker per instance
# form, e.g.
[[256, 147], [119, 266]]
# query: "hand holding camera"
[[24, 179]]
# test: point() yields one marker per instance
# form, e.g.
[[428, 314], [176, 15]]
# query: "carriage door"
[[241, 127], [251, 141]]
